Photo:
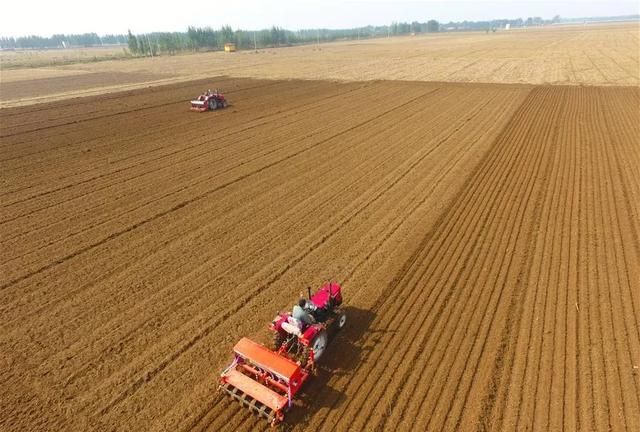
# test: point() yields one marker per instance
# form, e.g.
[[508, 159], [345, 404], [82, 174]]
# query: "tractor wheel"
[[213, 105], [278, 340], [319, 344]]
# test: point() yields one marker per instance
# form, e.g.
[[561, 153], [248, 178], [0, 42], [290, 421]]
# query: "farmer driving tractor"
[[300, 313]]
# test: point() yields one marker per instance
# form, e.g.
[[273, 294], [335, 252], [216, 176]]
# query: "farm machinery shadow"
[[341, 358]]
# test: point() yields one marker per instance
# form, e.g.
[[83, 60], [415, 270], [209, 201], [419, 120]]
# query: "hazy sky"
[[46, 17]]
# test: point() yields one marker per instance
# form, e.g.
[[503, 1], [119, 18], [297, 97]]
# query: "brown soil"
[[487, 237], [605, 55], [56, 85]]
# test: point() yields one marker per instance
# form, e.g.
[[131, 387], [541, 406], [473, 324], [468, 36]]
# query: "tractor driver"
[[301, 314]]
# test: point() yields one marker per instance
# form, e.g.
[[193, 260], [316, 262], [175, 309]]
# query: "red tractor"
[[306, 343], [266, 380], [209, 101]]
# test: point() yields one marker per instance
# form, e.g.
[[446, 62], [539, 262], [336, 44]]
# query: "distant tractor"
[[229, 47], [209, 101]]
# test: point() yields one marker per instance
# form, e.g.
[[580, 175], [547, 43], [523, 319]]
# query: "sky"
[[47, 17]]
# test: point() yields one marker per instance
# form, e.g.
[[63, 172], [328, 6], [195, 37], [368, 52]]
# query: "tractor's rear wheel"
[[213, 105], [319, 344]]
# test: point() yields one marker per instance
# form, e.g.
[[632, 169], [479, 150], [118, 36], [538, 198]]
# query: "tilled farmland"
[[487, 238], [594, 54]]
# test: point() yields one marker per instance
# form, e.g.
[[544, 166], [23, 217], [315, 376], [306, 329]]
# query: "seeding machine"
[[267, 380]]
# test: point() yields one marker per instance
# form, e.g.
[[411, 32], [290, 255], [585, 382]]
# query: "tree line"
[[207, 38], [61, 41], [498, 23], [527, 22], [197, 38]]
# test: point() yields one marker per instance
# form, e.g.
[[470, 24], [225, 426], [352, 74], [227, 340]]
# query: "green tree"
[[275, 36], [192, 34], [132, 42], [226, 35]]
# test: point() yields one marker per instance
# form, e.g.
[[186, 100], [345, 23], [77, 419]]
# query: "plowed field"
[[594, 54], [487, 237]]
